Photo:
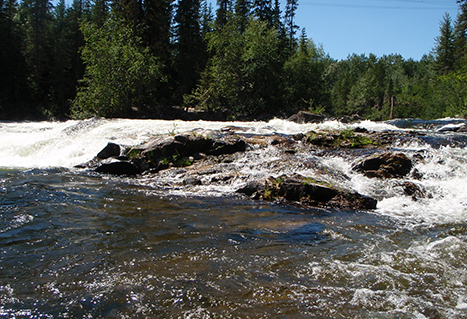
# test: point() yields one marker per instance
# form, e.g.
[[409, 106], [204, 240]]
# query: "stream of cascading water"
[[65, 144], [73, 244], [443, 169]]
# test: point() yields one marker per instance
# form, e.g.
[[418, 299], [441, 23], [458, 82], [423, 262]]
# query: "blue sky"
[[343, 27], [381, 27]]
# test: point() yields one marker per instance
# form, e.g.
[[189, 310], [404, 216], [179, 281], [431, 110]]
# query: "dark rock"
[[192, 181], [295, 189], [118, 168], [197, 156], [298, 136], [306, 117], [359, 129], [298, 189], [111, 150], [227, 146], [353, 201], [181, 150], [413, 190], [386, 165], [252, 187], [351, 119]]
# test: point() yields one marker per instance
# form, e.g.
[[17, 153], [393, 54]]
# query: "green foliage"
[[242, 75], [134, 152], [304, 85], [105, 58], [454, 86], [119, 71]]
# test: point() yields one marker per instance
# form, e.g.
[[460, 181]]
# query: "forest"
[[246, 59]]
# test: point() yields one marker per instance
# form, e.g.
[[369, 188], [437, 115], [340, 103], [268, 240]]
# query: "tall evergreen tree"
[[289, 18], [263, 10], [190, 48], [128, 10], [460, 36], [14, 86], [157, 23], [67, 67], [206, 18], [444, 48], [242, 13], [99, 12], [222, 13], [37, 21]]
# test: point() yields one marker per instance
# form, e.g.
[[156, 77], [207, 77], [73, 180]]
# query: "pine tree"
[[262, 9], [190, 48], [14, 86], [222, 13], [242, 13], [157, 21], [289, 18], [99, 12], [460, 36], [206, 18], [37, 22], [129, 10], [444, 49]]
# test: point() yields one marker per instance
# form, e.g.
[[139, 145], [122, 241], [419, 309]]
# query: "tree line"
[[246, 59]]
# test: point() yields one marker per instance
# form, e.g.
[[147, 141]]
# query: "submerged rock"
[[386, 165]]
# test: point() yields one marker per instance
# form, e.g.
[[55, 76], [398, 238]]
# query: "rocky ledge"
[[208, 157]]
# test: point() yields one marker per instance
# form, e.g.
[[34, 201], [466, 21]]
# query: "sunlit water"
[[76, 244]]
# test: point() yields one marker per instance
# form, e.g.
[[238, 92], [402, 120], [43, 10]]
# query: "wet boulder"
[[307, 117], [227, 146], [182, 149], [416, 191], [111, 150], [307, 192], [118, 168], [386, 165], [295, 189], [252, 188], [353, 200]]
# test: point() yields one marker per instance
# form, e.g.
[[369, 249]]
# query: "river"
[[75, 244]]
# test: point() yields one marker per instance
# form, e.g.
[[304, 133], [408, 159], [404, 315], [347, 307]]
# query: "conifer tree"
[[460, 36], [157, 21], [37, 22], [99, 12], [14, 87], [289, 18], [262, 9], [242, 13], [206, 18], [444, 48], [190, 48], [222, 13]]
